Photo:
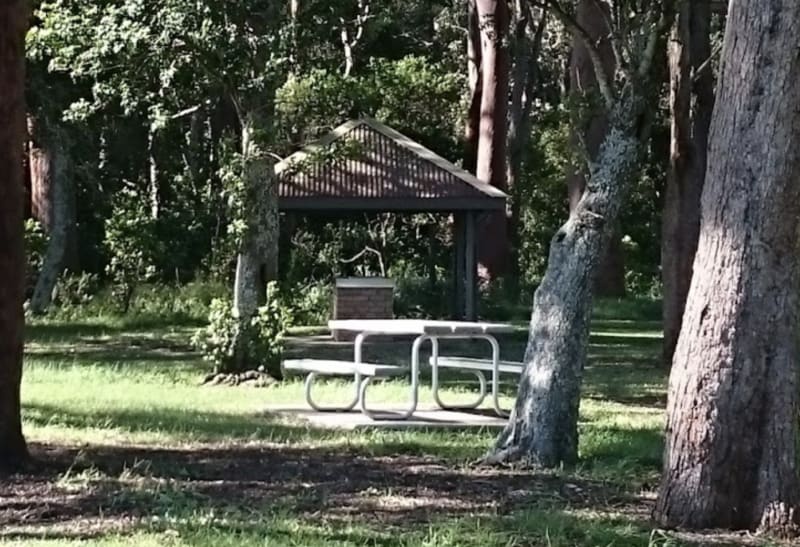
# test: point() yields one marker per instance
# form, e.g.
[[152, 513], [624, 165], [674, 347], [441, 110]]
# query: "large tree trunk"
[[257, 262], [62, 222], [493, 19], [13, 22], [472, 129], [592, 15], [691, 104], [732, 430], [542, 429]]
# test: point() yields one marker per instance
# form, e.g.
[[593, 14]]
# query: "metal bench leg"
[[435, 383], [309, 399], [496, 375], [414, 393]]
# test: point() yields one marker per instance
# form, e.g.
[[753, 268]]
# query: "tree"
[[493, 22], [49, 158], [691, 102], [13, 22], [542, 428], [732, 431], [590, 126]]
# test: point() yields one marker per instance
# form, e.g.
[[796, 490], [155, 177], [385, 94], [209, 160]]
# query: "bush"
[[35, 246], [311, 303], [259, 340], [133, 246]]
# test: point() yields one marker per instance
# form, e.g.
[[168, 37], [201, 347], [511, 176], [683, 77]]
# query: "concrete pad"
[[423, 418]]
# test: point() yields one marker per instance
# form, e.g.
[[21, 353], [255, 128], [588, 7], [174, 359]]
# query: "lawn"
[[131, 450]]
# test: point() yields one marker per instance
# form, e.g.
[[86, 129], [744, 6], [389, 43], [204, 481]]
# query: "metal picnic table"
[[425, 330]]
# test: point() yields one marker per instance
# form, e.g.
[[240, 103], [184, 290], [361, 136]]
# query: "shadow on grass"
[[251, 493]]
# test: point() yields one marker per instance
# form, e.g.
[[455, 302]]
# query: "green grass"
[[137, 453]]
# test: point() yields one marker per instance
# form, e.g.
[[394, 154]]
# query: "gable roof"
[[390, 173]]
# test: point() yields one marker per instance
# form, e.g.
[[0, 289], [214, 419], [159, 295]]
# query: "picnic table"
[[424, 331]]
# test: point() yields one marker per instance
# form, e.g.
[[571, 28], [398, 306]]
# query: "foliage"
[[311, 304], [132, 246], [35, 247], [262, 335]]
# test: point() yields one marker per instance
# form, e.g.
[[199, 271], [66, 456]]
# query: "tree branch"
[[657, 30], [603, 83]]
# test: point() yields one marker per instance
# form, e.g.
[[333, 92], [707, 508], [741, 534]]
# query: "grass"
[[135, 452]]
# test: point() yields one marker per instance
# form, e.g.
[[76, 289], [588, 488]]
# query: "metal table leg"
[[435, 383], [414, 394]]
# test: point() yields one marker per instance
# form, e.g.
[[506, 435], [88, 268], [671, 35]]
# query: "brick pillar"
[[362, 298]]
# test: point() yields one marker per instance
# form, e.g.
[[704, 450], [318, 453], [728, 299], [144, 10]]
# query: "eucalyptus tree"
[[163, 63], [731, 455], [542, 429], [691, 101], [13, 22]]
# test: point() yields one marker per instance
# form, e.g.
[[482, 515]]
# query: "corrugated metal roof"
[[384, 169]]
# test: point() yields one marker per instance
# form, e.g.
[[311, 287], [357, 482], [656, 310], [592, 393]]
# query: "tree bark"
[[691, 104], [592, 15], [257, 262], [493, 20], [62, 227], [542, 429], [13, 23], [472, 130], [526, 45], [732, 430]]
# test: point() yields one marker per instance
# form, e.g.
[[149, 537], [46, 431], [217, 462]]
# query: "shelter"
[[390, 173]]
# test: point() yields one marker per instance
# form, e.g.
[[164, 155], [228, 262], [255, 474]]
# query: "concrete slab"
[[424, 418]]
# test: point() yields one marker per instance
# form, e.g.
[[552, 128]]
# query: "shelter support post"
[[471, 289], [458, 266]]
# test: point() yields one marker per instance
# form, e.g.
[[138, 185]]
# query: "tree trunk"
[[542, 429], [526, 44], [732, 431], [13, 22], [472, 130], [62, 227], [152, 174], [691, 104], [493, 244], [592, 16], [257, 262]]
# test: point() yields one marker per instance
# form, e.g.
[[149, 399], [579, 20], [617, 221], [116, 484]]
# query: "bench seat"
[[329, 367], [470, 363]]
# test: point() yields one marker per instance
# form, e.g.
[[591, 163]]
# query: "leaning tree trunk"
[[592, 15], [732, 431], [493, 19], [13, 22], [691, 103], [543, 427], [62, 224], [257, 262]]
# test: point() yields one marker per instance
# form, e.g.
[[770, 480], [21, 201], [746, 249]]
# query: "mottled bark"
[[257, 261], [732, 430], [62, 226], [493, 20], [542, 429], [593, 16], [472, 129], [691, 104], [13, 22]]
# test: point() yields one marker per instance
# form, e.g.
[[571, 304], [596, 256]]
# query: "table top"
[[417, 326]]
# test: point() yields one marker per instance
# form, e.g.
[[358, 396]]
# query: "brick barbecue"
[[362, 298]]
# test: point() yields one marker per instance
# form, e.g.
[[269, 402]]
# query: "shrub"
[[259, 341]]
